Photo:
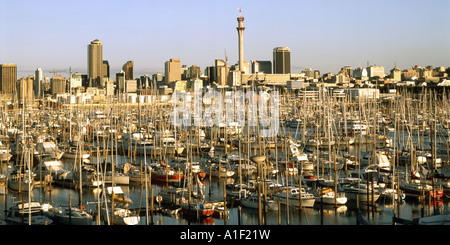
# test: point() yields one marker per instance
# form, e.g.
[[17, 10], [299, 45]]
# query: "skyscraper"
[[25, 89], [221, 72], [172, 70], [281, 60], [120, 81], [38, 91], [95, 63], [105, 69], [8, 78], [128, 69]]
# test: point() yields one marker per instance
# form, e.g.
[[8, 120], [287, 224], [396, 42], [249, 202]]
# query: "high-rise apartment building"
[[172, 70], [8, 78], [128, 69], [281, 60], [95, 63]]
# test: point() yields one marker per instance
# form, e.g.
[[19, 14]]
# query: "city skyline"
[[322, 35]]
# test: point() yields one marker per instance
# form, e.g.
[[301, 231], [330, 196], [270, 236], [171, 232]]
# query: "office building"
[[95, 63], [194, 72], [8, 78], [105, 69], [76, 81], [360, 73], [221, 72], [120, 81], [347, 70], [25, 89], [316, 74], [127, 68], [396, 74], [260, 66], [38, 90], [309, 73], [58, 84], [172, 70], [281, 60], [375, 71]]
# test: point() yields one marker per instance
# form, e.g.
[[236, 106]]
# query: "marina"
[[333, 160]]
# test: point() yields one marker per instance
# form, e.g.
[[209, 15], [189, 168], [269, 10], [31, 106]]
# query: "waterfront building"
[[316, 74], [261, 66], [409, 74], [172, 70], [347, 70], [25, 89], [221, 72], [308, 73], [58, 85], [425, 73], [38, 91], [110, 88], [131, 86], [127, 68], [234, 78], [105, 69], [194, 72], [360, 73], [246, 68], [281, 60], [375, 71], [279, 80], [396, 74], [158, 79], [46, 85], [95, 63], [8, 78], [144, 82], [194, 84], [342, 78], [120, 81], [76, 81]]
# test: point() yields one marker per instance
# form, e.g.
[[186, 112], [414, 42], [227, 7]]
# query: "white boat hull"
[[294, 202]]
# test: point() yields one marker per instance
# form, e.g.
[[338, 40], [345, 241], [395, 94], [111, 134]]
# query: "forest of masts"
[[416, 121]]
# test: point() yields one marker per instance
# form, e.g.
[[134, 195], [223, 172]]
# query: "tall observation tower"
[[240, 30]]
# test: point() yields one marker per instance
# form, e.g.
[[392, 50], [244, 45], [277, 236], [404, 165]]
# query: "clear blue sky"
[[324, 35]]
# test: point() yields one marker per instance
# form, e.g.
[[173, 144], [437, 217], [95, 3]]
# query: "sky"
[[322, 35]]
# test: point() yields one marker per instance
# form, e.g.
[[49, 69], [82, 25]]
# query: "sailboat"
[[28, 213], [70, 216], [120, 215], [328, 196], [290, 195], [252, 202]]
